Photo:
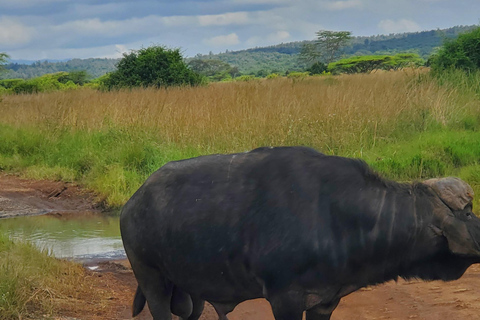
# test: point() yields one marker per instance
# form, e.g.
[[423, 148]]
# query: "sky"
[[66, 29]]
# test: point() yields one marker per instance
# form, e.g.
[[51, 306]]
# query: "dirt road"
[[403, 300], [397, 301]]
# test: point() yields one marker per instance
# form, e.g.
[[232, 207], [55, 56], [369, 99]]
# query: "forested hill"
[[283, 57], [262, 60], [94, 68]]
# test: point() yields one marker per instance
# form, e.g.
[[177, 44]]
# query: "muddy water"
[[81, 237]]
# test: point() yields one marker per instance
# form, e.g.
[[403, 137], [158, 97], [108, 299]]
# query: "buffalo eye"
[[468, 215]]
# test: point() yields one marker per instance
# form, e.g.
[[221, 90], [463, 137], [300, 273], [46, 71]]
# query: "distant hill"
[[261, 60], [29, 62], [94, 67], [283, 57]]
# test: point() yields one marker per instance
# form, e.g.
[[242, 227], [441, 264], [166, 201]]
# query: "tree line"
[[158, 66], [261, 61]]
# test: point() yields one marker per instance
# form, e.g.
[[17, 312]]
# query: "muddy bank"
[[20, 197]]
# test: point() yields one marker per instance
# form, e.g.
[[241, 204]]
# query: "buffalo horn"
[[454, 192]]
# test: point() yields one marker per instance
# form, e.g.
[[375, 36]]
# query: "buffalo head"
[[454, 218]]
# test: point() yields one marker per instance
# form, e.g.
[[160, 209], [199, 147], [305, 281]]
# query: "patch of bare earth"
[[397, 301], [20, 197]]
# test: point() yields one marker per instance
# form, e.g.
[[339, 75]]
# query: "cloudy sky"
[[60, 29]]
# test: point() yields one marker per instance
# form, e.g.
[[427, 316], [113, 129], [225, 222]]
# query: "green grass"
[[432, 154], [115, 163], [112, 162], [30, 280]]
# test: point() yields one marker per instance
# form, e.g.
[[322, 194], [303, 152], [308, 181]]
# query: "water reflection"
[[81, 237]]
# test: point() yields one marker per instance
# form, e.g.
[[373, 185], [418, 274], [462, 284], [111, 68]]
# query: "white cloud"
[[280, 36], [119, 50], [178, 21], [272, 38], [343, 5], [96, 27], [13, 32], [229, 39], [399, 26], [27, 3], [223, 19], [148, 25]]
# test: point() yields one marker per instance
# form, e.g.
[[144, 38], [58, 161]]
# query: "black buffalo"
[[290, 224]]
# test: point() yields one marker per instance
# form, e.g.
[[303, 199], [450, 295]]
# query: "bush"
[[10, 83], [3, 91], [152, 67], [26, 87], [45, 83], [273, 76], [76, 77], [365, 64], [298, 75], [462, 53], [245, 78], [318, 68], [215, 70]]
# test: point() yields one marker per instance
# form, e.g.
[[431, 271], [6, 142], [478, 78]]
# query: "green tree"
[[213, 69], [77, 77], [317, 68], [327, 47], [154, 66], [366, 64], [461, 53], [3, 60]]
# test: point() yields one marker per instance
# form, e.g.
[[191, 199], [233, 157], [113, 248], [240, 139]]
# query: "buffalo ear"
[[458, 238], [454, 192]]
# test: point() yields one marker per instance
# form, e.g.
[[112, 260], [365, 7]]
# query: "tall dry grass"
[[335, 114], [112, 141]]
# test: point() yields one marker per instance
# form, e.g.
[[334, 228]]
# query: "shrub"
[[26, 87], [462, 53], [155, 66], [10, 83], [366, 64], [318, 68], [76, 77], [273, 76], [298, 75], [245, 78]]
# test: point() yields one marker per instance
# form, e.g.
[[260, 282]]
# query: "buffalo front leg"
[[286, 305], [322, 311]]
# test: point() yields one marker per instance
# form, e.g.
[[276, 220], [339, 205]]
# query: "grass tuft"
[[32, 282]]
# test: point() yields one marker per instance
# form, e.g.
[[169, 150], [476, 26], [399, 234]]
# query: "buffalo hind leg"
[[156, 289], [197, 310], [223, 309], [322, 311], [181, 303], [286, 305]]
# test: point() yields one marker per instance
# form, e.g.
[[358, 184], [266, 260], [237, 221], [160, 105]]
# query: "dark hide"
[[297, 227]]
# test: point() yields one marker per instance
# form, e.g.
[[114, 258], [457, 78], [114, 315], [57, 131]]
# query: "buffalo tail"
[[138, 302]]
